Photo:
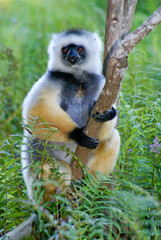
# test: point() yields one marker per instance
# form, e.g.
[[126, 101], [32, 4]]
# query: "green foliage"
[[139, 124], [11, 184], [124, 207], [102, 209]]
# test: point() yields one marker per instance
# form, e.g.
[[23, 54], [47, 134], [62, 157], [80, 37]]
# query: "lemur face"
[[73, 54], [75, 50]]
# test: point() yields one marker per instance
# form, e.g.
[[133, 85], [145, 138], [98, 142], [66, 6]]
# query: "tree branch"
[[118, 22], [129, 9], [132, 39], [115, 65], [114, 21]]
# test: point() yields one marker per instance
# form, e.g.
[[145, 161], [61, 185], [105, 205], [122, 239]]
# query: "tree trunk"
[[118, 44]]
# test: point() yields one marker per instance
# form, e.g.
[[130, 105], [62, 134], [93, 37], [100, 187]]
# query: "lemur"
[[63, 98]]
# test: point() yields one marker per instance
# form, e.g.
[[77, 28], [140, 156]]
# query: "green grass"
[[130, 208]]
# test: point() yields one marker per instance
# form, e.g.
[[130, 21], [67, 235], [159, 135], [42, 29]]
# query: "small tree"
[[118, 44]]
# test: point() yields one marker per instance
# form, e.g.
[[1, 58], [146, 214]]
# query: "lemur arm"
[[49, 113]]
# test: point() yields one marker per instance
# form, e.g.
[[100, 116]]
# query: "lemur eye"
[[80, 49], [64, 50]]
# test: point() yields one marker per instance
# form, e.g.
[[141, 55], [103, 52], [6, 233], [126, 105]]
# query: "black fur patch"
[[77, 93], [105, 116], [82, 139], [64, 105], [66, 77], [88, 80], [78, 32]]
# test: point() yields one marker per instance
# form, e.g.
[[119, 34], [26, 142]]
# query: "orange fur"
[[107, 130], [104, 158], [62, 182], [49, 114], [46, 121]]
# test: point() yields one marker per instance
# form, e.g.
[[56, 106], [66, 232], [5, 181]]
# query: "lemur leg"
[[61, 182], [104, 158], [46, 173], [26, 164], [28, 157], [28, 177]]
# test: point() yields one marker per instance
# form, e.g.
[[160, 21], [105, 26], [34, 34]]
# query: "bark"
[[115, 62], [129, 9]]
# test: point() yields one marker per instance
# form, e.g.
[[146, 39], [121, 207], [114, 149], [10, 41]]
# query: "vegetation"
[[123, 206]]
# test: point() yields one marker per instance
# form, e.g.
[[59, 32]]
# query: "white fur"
[[92, 44], [31, 98], [34, 95], [26, 166]]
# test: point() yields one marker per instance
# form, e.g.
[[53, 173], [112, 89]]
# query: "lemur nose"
[[72, 54], [72, 57]]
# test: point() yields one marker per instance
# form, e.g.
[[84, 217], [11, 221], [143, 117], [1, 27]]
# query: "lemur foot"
[[82, 139], [105, 116]]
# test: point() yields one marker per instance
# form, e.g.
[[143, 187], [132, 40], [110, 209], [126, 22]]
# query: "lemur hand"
[[82, 139], [105, 116]]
